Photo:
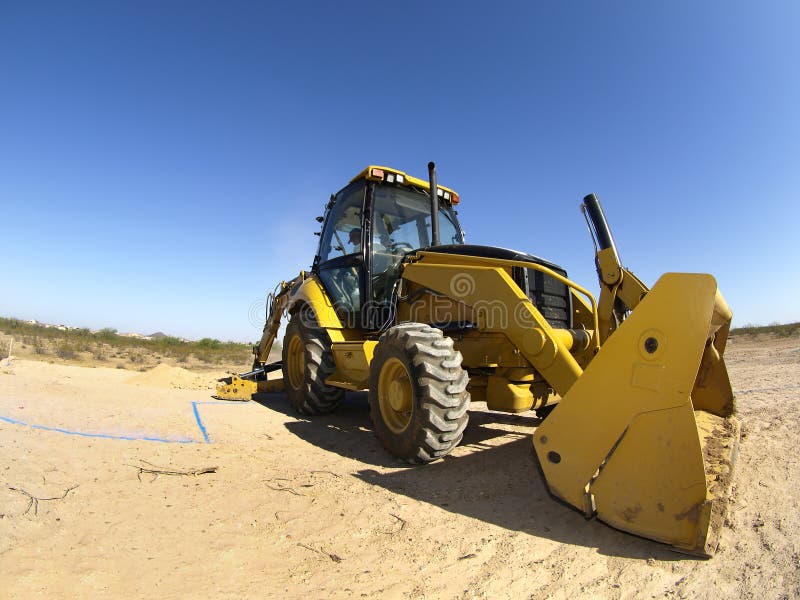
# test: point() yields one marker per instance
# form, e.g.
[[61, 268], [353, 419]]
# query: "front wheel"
[[307, 362], [418, 393]]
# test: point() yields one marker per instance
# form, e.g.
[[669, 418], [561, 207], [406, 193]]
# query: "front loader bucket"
[[646, 438]]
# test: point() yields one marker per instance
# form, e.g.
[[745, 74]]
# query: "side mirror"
[[319, 219]]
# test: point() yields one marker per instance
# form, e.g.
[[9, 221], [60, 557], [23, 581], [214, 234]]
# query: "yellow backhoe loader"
[[639, 425]]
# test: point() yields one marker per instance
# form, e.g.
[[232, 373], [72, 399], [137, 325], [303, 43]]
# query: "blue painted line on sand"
[[200, 422], [107, 436]]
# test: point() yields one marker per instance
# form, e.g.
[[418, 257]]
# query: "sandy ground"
[[317, 509]]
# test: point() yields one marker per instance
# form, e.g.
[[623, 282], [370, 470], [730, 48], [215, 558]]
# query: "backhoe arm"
[[242, 387], [278, 301]]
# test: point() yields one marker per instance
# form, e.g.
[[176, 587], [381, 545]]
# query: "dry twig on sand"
[[328, 472], [399, 520], [156, 471], [333, 557], [33, 501], [279, 487]]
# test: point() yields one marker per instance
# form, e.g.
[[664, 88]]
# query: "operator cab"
[[368, 228]]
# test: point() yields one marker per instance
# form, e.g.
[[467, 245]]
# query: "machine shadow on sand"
[[513, 496]]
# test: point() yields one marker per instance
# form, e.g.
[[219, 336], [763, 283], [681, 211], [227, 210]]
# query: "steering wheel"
[[401, 247]]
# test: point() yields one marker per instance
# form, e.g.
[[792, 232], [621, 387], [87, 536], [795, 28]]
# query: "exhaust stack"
[[434, 204]]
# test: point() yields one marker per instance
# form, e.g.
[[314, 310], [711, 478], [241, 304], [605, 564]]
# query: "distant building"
[[135, 335]]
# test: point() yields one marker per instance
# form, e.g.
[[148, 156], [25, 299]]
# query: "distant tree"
[[209, 343], [107, 333]]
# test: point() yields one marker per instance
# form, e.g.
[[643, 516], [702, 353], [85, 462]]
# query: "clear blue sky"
[[161, 163]]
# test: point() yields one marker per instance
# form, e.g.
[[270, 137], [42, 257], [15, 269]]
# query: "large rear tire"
[[307, 362], [418, 393]]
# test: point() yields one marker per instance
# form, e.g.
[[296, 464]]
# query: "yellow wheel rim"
[[395, 395], [296, 362]]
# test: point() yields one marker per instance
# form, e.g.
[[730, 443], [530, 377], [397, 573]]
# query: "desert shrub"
[[787, 330], [201, 356], [82, 346], [66, 351], [107, 333], [209, 343], [44, 340]]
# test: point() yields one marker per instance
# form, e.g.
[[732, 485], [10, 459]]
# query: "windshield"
[[402, 219], [401, 223]]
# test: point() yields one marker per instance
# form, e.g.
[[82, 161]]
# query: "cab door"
[[340, 259]]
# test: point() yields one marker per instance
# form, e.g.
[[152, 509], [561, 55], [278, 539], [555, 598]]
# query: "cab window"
[[340, 260], [342, 235]]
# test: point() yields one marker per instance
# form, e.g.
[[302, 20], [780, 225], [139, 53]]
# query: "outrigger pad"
[[241, 390], [237, 389], [626, 443]]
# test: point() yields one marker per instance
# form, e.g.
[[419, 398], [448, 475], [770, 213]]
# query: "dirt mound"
[[166, 376]]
